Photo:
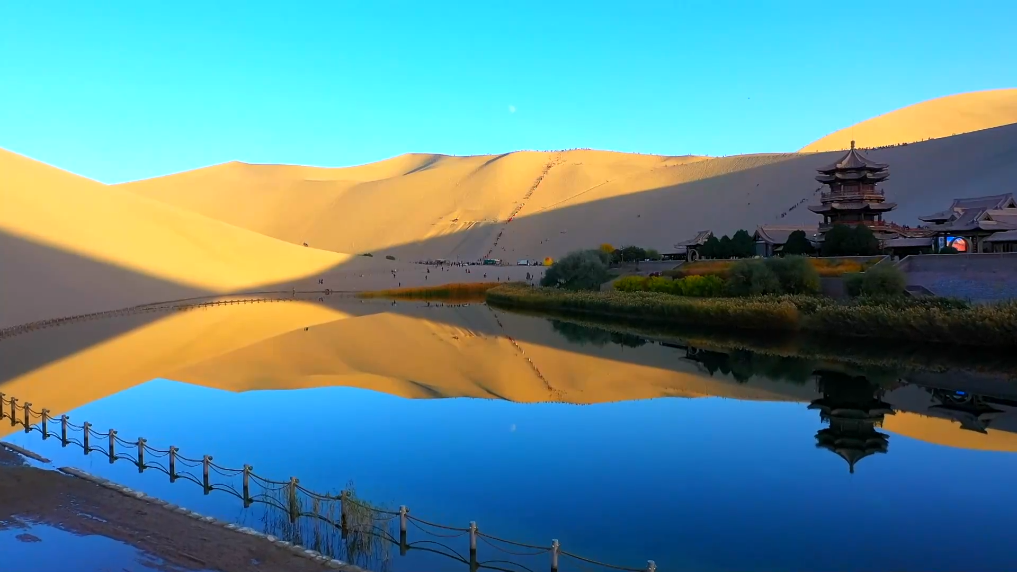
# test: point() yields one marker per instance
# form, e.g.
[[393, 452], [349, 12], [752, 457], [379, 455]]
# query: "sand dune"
[[932, 119], [531, 205]]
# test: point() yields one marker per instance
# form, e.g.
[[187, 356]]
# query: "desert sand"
[[932, 119], [444, 352], [69, 245], [536, 204]]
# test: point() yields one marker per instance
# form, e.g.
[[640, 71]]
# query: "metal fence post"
[[651, 566], [402, 530], [473, 546], [555, 547], [88, 429], [112, 445], [141, 455], [342, 514], [294, 509], [28, 419], [173, 464], [63, 430], [247, 485], [45, 424], [204, 471]]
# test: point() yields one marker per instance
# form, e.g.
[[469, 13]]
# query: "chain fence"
[[341, 525]]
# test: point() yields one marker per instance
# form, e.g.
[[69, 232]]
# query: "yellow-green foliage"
[[827, 267], [718, 312], [699, 286], [630, 284], [660, 284], [457, 291], [933, 320]]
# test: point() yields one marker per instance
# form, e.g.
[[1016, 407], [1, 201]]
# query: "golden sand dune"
[[531, 205], [932, 119], [72, 245]]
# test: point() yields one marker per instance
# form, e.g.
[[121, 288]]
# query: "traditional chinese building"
[[853, 407], [853, 197], [978, 224]]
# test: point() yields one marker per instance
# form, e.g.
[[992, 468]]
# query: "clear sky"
[[136, 89]]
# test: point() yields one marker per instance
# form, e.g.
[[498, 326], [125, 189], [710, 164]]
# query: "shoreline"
[[936, 322], [175, 534]]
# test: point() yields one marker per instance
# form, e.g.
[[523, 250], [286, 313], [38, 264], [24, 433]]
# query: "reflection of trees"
[[743, 364], [853, 408], [580, 334]]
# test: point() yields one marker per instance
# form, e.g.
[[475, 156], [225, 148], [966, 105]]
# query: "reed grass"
[[471, 291], [827, 267], [941, 321]]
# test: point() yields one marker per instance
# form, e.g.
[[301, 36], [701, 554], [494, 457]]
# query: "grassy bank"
[[902, 320], [827, 267], [473, 291]]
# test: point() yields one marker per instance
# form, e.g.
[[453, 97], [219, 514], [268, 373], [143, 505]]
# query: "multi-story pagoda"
[[853, 407], [852, 197]]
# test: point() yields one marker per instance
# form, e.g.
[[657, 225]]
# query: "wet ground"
[[51, 522]]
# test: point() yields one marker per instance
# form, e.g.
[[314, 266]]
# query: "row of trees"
[[628, 254], [741, 245]]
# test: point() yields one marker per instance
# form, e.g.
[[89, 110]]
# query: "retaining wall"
[[977, 277]]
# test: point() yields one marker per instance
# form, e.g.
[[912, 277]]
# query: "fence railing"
[[339, 525]]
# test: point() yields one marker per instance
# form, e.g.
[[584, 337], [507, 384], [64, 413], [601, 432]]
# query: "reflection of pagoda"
[[854, 408], [853, 198]]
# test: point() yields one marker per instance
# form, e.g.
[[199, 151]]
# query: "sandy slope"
[[461, 206], [940, 117]]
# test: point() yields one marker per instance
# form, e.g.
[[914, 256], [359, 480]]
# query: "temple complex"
[[977, 224], [853, 197], [853, 407]]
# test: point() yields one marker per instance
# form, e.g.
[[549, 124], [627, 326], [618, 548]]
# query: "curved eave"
[[831, 207]]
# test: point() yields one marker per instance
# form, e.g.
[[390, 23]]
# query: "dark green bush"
[[796, 274], [752, 278], [389, 257], [883, 280], [630, 284], [853, 283], [580, 270]]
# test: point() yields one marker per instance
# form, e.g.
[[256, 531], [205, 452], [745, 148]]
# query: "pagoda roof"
[[853, 160], [852, 206], [698, 240], [779, 234], [1005, 236], [988, 203]]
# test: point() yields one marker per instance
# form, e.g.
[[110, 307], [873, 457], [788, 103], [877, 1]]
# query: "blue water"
[[703, 484]]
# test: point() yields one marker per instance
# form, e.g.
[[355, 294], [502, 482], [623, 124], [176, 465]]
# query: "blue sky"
[[133, 89]]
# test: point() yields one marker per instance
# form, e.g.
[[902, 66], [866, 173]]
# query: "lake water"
[[620, 447]]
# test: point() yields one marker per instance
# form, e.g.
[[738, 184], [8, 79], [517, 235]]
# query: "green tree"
[[710, 248], [652, 254], [580, 270], [798, 243], [742, 245], [865, 242], [633, 254], [725, 250], [843, 240]]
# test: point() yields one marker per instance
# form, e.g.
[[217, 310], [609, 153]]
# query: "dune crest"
[[932, 119]]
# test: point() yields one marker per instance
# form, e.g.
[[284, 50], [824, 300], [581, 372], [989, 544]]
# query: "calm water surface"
[[805, 467]]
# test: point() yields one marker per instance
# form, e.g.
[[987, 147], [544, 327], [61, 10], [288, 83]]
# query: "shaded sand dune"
[[932, 119], [420, 352], [460, 207], [71, 245]]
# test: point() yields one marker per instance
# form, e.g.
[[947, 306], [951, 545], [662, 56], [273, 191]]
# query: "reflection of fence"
[[340, 526]]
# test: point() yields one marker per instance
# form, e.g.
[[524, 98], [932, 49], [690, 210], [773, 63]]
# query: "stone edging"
[[24, 452], [294, 548]]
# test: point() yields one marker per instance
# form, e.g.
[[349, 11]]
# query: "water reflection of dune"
[[413, 351]]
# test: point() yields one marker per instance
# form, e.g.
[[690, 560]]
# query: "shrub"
[[752, 278], [948, 250], [630, 284], [367, 254], [699, 286], [796, 274], [389, 257], [883, 280], [660, 284], [853, 283], [580, 270]]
